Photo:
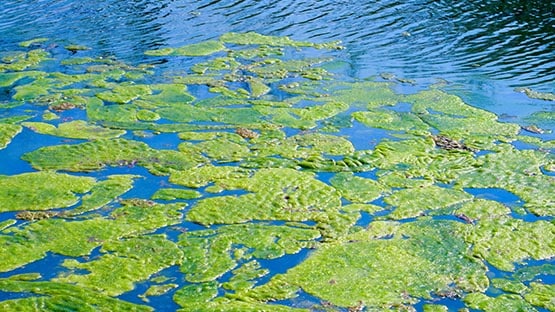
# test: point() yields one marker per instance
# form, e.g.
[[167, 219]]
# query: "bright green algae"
[[209, 254], [314, 181], [31, 242], [504, 241], [54, 296], [7, 133], [77, 129], [41, 190], [361, 268], [135, 259], [97, 154]]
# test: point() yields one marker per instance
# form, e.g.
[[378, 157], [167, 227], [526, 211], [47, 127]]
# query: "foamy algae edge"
[[264, 168]]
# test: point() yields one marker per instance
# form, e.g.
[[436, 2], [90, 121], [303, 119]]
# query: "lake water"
[[480, 51]]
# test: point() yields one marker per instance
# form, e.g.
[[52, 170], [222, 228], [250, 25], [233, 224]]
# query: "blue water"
[[482, 49]]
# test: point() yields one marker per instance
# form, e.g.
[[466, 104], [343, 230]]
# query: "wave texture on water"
[[508, 40]]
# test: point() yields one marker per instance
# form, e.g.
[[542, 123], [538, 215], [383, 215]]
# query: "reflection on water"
[[505, 40]]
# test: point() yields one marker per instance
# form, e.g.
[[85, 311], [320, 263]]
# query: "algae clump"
[[208, 254], [97, 154], [77, 129], [7, 133], [136, 259], [394, 264], [41, 190]]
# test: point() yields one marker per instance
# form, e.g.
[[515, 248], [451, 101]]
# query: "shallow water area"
[[219, 156]]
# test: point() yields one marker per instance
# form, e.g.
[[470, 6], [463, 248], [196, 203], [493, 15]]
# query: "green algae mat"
[[234, 179]]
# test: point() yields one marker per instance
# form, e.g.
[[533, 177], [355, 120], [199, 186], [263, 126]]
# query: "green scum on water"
[[265, 168]]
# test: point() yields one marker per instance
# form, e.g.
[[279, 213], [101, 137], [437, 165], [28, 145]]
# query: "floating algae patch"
[[77, 129], [135, 259], [541, 295], [546, 96], [196, 49], [8, 79], [7, 133], [41, 190], [414, 202], [202, 176], [200, 49], [54, 296], [511, 286], [104, 192], [435, 308], [542, 117], [275, 194], [98, 112], [201, 297], [367, 94], [257, 87], [219, 149], [367, 270], [197, 295], [505, 302], [208, 254], [97, 154], [519, 172], [18, 60], [505, 241], [252, 38], [391, 120], [245, 276], [304, 145], [124, 93], [530, 273], [453, 117], [173, 193], [157, 290], [75, 238], [31, 42], [478, 209], [357, 189]]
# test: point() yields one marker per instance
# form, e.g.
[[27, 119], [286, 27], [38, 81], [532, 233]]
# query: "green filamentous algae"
[[263, 168]]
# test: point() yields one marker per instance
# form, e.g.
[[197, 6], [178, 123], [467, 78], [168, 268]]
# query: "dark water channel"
[[482, 49]]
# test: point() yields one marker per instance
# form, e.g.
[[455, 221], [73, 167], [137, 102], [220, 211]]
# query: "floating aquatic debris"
[[246, 133], [450, 144], [533, 129], [35, 215]]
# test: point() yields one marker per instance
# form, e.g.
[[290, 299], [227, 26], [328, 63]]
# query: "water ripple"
[[513, 39]]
